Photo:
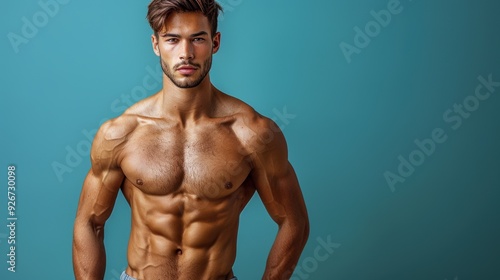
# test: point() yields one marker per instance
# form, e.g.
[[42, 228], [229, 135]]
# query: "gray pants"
[[125, 276]]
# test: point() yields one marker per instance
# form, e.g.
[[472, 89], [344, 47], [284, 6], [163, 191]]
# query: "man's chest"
[[209, 162]]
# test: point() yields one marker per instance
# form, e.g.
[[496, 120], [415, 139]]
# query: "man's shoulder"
[[110, 140], [254, 128], [118, 127], [244, 113], [127, 122]]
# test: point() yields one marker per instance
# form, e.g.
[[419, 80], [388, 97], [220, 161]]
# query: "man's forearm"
[[286, 250], [89, 257]]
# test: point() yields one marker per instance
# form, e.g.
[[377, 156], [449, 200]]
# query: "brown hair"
[[160, 10]]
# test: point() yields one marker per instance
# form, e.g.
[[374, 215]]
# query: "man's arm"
[[97, 199], [278, 187]]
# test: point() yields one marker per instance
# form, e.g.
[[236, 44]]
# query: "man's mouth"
[[186, 69]]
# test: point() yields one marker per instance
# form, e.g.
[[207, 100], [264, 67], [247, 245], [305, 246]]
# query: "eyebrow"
[[201, 33]]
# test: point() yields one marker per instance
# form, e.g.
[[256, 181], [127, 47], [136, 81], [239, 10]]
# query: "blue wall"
[[390, 109]]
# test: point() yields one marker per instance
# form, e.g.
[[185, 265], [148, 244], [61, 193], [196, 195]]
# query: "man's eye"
[[198, 39], [171, 40]]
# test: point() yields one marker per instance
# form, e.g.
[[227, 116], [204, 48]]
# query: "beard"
[[190, 81]]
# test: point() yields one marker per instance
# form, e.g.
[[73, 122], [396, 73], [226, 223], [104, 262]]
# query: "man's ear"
[[216, 43], [154, 42]]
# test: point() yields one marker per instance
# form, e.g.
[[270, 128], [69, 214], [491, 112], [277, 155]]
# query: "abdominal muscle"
[[182, 236]]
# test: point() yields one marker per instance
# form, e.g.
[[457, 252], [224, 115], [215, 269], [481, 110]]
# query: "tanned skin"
[[188, 159]]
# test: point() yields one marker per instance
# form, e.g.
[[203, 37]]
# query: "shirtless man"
[[188, 159]]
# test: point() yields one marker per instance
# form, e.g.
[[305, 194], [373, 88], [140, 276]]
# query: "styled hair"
[[160, 10]]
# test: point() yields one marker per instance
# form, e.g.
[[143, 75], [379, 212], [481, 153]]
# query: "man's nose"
[[187, 51]]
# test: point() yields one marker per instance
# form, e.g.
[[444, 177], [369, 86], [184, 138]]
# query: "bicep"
[[281, 194], [98, 196]]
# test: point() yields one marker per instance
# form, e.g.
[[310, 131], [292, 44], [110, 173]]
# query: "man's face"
[[185, 47]]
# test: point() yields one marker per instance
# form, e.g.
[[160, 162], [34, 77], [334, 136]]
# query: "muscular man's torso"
[[186, 186]]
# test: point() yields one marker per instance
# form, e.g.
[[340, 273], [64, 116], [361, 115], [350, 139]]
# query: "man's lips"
[[186, 70]]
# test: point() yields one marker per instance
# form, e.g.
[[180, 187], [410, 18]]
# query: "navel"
[[139, 182], [179, 252], [228, 185]]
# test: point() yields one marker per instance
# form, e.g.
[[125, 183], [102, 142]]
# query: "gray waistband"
[[125, 276]]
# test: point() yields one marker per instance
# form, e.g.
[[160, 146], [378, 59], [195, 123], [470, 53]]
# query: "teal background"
[[347, 124]]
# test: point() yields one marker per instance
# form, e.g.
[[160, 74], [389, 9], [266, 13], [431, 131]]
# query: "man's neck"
[[187, 104]]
